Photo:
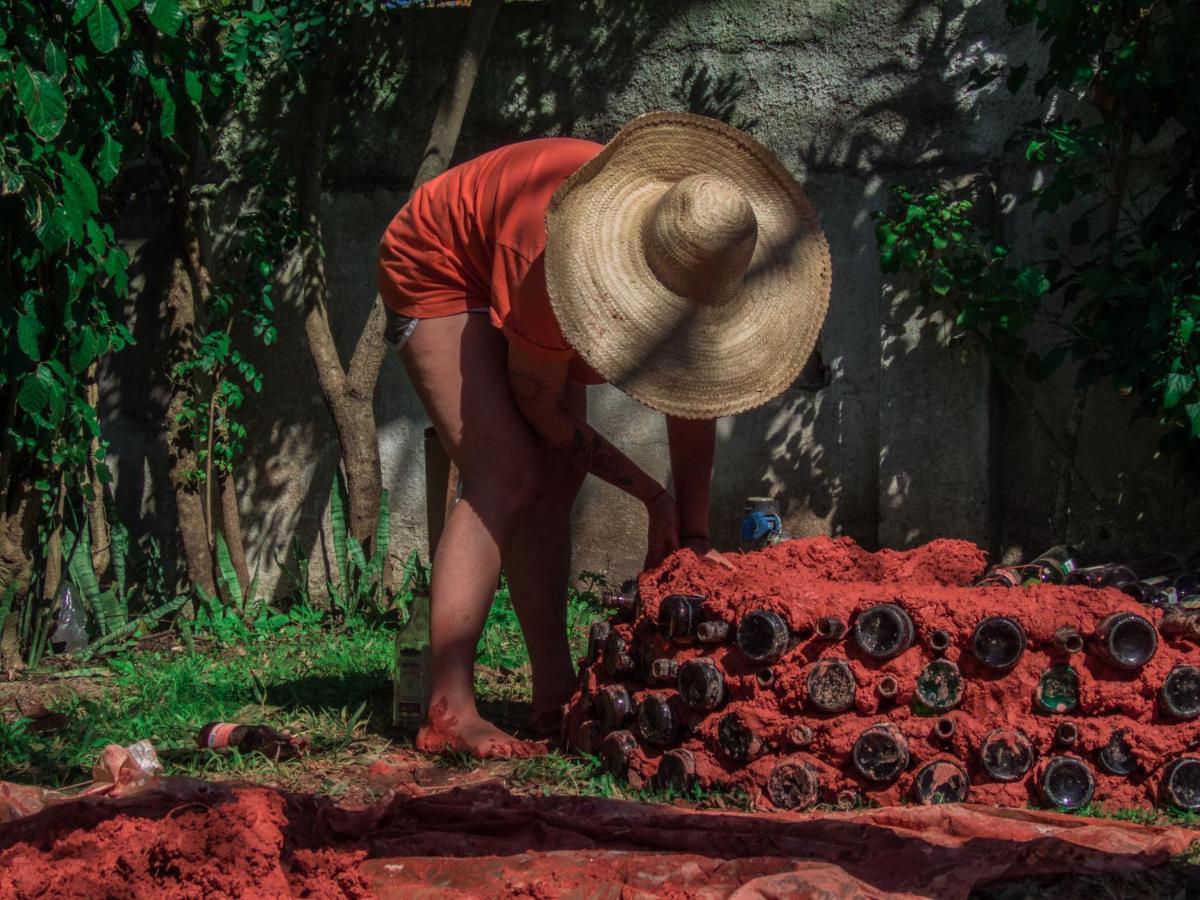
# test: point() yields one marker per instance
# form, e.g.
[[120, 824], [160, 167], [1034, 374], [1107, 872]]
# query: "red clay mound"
[[485, 842], [804, 581]]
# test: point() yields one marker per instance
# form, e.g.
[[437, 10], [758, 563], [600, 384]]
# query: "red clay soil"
[[803, 580], [482, 841]]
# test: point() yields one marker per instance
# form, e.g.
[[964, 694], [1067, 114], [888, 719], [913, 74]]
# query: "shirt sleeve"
[[522, 305]]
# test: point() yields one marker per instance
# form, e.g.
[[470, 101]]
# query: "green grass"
[[332, 686]]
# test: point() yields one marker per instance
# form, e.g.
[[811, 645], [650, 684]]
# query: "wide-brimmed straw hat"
[[686, 266]]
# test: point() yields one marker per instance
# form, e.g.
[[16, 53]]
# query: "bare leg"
[[537, 561], [457, 365]]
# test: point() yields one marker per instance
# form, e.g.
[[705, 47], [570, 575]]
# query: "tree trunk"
[[97, 519], [231, 527], [349, 394]]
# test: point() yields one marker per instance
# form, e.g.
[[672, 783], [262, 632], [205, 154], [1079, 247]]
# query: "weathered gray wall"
[[913, 438]]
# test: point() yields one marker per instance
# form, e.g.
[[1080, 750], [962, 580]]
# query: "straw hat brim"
[[686, 359]]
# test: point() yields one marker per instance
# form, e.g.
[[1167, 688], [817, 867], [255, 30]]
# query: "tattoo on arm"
[[526, 386], [597, 456]]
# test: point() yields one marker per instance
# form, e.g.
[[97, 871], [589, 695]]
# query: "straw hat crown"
[[686, 266]]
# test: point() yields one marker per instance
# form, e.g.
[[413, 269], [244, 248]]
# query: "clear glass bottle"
[[410, 695]]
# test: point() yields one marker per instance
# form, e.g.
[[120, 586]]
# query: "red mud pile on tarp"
[[485, 842]]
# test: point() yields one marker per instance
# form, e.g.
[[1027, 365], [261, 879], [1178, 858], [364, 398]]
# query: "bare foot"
[[471, 734]]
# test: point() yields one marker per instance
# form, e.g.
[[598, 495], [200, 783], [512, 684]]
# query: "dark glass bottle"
[[998, 642], [1126, 640], [1067, 783], [616, 656], [679, 616], [1183, 623], [616, 750], [939, 641], [1006, 754], [1158, 564], [625, 602], [944, 729], [676, 771], [665, 670], [831, 685], [597, 636], [831, 628], [763, 636], [713, 632], [1068, 640], [1116, 757], [613, 706], [701, 684], [251, 739], [658, 720], [1058, 689], [1053, 566], [793, 784], [940, 686], [737, 739], [1001, 576], [1179, 696], [588, 737], [884, 630], [1066, 734], [941, 781], [880, 754], [1106, 575], [799, 734], [1181, 783]]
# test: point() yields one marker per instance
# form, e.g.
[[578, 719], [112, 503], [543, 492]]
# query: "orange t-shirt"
[[474, 238]]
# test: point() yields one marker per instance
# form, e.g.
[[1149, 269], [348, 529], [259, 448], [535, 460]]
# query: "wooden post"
[[441, 487]]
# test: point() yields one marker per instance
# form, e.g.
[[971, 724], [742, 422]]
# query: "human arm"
[[539, 389], [692, 444]]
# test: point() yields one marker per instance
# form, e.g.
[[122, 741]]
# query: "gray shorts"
[[399, 328]]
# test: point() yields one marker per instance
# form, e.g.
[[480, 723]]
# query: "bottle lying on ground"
[[1181, 623], [1179, 696], [625, 601], [884, 630], [1126, 640], [1006, 754], [1052, 567], [1067, 782], [737, 739], [613, 706], [831, 686], [1002, 576], [998, 642], [1058, 689], [793, 784], [763, 636], [940, 685], [1116, 757], [616, 750], [1181, 783], [658, 719], [251, 739], [880, 754], [1106, 575], [701, 684], [676, 771], [941, 781], [1165, 590], [679, 617]]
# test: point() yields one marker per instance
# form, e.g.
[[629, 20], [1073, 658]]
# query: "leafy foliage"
[[1122, 291]]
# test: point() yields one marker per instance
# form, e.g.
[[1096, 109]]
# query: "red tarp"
[[482, 841]]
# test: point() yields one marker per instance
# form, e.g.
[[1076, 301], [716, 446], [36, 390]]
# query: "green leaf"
[[1177, 386], [1193, 414], [165, 14], [79, 183], [77, 550], [56, 61], [108, 161], [29, 331], [942, 281], [33, 395], [166, 118], [1186, 327], [85, 351], [42, 102], [227, 573], [193, 85], [82, 9], [337, 529], [103, 29]]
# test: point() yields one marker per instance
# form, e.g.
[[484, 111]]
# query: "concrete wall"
[[913, 438]]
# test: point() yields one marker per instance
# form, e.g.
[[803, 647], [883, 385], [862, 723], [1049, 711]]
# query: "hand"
[[703, 549], [663, 536]]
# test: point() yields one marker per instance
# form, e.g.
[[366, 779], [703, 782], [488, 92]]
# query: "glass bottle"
[[1179, 696], [793, 784], [941, 781], [613, 706], [1006, 754], [1126, 640], [616, 751], [679, 617], [880, 754], [831, 685], [998, 642], [939, 686], [657, 719], [763, 636], [1067, 783], [701, 684], [884, 630], [1058, 689], [676, 771], [410, 686], [1181, 783], [737, 739]]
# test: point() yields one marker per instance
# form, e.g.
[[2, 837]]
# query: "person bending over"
[[680, 263]]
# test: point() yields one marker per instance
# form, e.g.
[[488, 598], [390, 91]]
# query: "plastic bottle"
[[71, 628], [410, 694], [761, 525]]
